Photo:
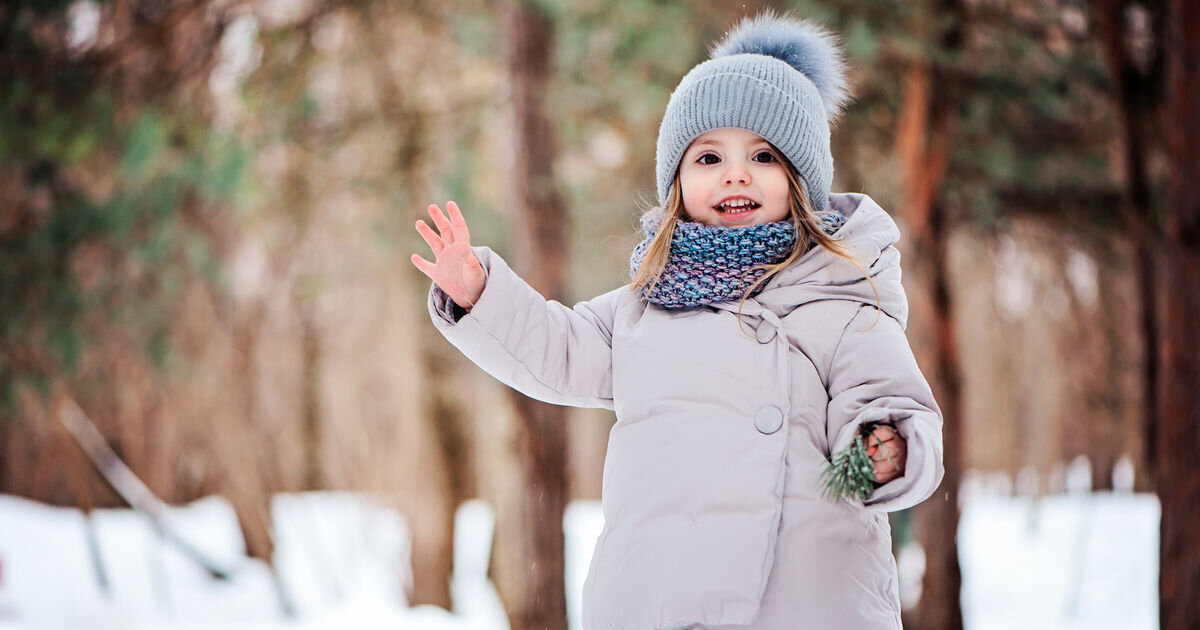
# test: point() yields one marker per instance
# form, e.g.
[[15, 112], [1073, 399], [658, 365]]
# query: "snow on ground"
[[1069, 562], [1064, 562]]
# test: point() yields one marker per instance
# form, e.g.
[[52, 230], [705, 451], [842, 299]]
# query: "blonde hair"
[[804, 218]]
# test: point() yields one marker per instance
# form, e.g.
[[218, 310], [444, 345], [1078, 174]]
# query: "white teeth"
[[736, 204]]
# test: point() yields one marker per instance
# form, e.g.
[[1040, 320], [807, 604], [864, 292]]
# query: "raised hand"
[[455, 268], [888, 452]]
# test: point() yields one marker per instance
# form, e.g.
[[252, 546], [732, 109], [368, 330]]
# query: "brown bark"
[[533, 591], [937, 518], [314, 474], [1137, 97], [432, 523], [443, 467], [923, 144], [1178, 438], [244, 478]]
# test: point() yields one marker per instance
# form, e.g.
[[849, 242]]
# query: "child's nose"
[[737, 173]]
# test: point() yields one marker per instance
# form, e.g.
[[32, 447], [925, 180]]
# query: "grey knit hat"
[[778, 77]]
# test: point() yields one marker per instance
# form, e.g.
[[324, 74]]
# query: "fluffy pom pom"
[[803, 45]]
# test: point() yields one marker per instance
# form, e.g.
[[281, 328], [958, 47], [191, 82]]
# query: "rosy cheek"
[[691, 203]]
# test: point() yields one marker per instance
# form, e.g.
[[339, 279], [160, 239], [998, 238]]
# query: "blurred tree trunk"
[[923, 143], [1138, 94], [310, 352], [444, 458], [1178, 478], [152, 57], [443, 461], [531, 582], [443, 467], [245, 483]]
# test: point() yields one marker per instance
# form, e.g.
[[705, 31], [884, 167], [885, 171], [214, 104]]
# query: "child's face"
[[731, 178]]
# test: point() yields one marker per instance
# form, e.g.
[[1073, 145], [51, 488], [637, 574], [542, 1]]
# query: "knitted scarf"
[[710, 265]]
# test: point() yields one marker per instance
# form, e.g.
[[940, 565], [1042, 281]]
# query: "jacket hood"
[[869, 236]]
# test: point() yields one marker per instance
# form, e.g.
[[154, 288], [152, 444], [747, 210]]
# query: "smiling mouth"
[[737, 205]]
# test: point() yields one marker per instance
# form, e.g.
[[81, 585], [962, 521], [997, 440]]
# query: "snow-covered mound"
[[1054, 563]]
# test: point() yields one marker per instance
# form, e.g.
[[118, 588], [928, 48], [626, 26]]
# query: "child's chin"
[[726, 219]]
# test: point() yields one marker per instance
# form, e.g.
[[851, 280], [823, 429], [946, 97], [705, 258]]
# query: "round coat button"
[[768, 420], [764, 332]]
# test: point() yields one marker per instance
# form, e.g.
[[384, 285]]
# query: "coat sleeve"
[[541, 348], [873, 377]]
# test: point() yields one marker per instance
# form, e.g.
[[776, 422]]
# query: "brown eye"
[[766, 157], [708, 159]]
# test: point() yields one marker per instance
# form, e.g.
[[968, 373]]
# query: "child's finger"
[[883, 451], [442, 223], [461, 234], [445, 229], [425, 266], [885, 470], [890, 461], [427, 233], [878, 437]]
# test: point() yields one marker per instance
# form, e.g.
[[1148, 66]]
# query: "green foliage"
[[859, 40], [145, 141], [1034, 113], [476, 33], [117, 251], [34, 126], [1037, 120], [850, 474]]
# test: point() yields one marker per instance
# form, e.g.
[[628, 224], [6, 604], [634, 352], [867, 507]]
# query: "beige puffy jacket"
[[713, 507]]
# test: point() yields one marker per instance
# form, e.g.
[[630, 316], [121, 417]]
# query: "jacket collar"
[[870, 236]]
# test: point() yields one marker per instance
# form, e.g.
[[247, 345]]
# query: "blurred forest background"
[[206, 211]]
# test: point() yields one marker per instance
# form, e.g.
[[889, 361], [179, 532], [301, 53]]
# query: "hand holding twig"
[[876, 456], [455, 268], [888, 452]]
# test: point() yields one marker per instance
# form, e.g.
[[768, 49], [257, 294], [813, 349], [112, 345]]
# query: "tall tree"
[[532, 586], [109, 169], [1178, 478], [927, 120], [442, 455], [1138, 94]]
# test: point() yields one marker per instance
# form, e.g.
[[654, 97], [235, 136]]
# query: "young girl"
[[762, 333]]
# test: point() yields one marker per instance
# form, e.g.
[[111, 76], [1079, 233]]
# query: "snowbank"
[[1054, 563]]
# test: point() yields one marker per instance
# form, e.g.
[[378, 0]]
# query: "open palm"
[[455, 268]]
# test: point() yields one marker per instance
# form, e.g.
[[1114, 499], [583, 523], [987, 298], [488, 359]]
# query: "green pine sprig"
[[850, 473]]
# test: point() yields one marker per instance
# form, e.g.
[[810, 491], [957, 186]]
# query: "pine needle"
[[850, 473]]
